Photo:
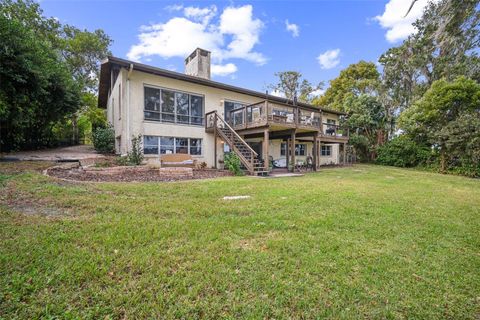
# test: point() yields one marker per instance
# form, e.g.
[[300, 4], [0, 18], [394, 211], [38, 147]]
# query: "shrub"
[[104, 139], [135, 155], [402, 152], [232, 163]]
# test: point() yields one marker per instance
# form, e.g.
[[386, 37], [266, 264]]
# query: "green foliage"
[[232, 163], [36, 88], [366, 118], [401, 151], [48, 72], [104, 140], [135, 155], [356, 79], [448, 118], [361, 145]]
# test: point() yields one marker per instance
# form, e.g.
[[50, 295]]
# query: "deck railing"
[[334, 130], [265, 112]]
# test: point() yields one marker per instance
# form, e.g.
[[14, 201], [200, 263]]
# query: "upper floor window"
[[229, 106], [171, 106]]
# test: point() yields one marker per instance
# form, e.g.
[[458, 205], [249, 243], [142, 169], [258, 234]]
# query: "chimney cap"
[[198, 50]]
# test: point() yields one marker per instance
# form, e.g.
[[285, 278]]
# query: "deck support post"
[[344, 154], [266, 161], [315, 151], [287, 152], [319, 152], [292, 138], [215, 141]]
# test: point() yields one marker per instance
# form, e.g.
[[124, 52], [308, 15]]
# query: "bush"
[[135, 156], [232, 163], [104, 140], [402, 152]]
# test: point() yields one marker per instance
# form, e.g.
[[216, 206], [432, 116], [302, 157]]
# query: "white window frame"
[[175, 106]]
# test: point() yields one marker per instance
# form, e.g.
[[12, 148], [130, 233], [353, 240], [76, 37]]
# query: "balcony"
[[274, 115], [334, 132]]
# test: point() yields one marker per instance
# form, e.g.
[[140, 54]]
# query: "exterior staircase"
[[248, 157]]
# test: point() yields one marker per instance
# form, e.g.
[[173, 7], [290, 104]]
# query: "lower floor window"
[[169, 145], [326, 150], [300, 149]]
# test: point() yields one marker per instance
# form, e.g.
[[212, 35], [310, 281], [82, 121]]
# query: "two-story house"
[[189, 113]]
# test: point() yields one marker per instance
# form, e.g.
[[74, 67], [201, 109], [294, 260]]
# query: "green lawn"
[[361, 242]]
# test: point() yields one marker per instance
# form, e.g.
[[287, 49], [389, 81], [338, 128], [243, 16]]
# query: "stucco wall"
[[133, 90]]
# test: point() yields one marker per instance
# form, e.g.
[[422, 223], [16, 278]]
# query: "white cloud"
[[203, 15], [393, 18], [232, 35], [223, 70], [293, 28], [245, 32], [329, 59], [278, 93], [174, 7], [317, 92]]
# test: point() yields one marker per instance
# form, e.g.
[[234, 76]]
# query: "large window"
[[169, 145], [229, 106], [170, 106], [326, 151], [300, 149]]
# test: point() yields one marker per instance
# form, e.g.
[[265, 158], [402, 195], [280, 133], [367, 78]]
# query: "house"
[[189, 113]]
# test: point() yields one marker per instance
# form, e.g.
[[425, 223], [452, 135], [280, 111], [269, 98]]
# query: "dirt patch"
[[143, 175], [17, 167]]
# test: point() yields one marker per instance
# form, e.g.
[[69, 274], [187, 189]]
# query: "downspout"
[[128, 106]]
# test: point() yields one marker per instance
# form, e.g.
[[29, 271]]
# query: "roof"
[[105, 84]]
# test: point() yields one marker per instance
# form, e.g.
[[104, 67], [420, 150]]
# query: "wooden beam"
[[287, 154], [344, 153], [265, 150], [215, 141], [315, 151], [293, 150]]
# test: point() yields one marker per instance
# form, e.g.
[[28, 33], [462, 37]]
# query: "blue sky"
[[249, 40]]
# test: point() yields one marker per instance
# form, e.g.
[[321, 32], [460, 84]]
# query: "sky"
[[249, 40]]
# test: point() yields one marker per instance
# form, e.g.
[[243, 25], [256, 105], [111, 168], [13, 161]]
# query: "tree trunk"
[[443, 160]]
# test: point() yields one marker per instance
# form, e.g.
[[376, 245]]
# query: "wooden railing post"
[[215, 140]]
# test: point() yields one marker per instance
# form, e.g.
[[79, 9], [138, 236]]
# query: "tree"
[[448, 118], [36, 88], [445, 46], [78, 52], [359, 78], [293, 86], [366, 117]]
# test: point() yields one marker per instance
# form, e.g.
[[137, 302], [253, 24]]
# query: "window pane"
[[166, 145], [181, 100], [181, 145], [150, 141], [196, 146], [150, 150], [283, 149], [168, 106], [150, 145], [152, 99], [228, 106], [151, 115], [196, 108]]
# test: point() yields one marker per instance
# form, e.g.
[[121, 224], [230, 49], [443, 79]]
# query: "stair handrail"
[[236, 134]]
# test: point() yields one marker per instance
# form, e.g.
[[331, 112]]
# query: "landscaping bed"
[[131, 173]]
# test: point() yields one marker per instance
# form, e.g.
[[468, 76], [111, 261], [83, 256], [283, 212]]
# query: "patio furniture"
[[177, 160]]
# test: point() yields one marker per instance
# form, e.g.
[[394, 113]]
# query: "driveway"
[[80, 152]]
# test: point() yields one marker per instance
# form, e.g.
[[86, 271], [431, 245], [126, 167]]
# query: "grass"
[[361, 242]]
